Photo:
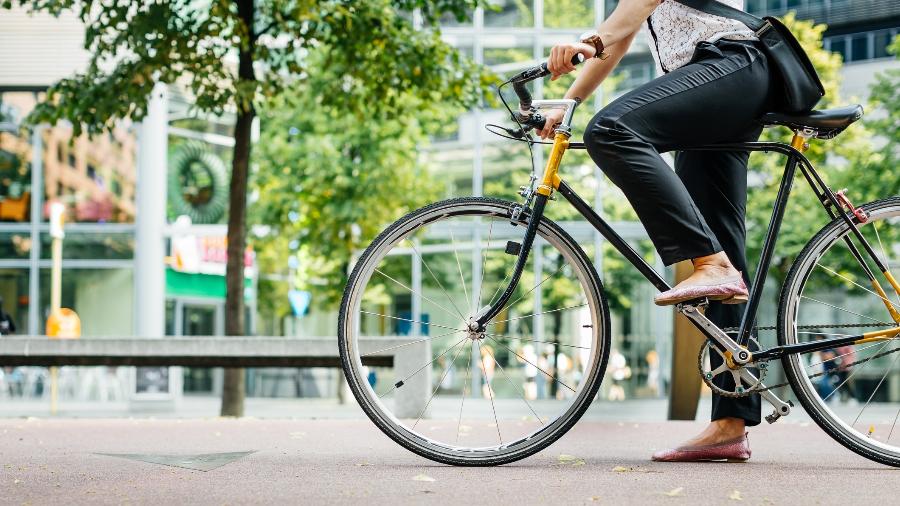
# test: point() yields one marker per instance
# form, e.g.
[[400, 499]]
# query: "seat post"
[[800, 141]]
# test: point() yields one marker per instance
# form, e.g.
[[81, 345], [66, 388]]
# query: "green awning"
[[210, 286]]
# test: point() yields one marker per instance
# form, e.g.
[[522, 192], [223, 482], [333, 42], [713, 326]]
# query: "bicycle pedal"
[[773, 417]]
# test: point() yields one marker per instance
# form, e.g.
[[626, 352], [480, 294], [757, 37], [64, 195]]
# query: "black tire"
[[794, 370], [588, 392]]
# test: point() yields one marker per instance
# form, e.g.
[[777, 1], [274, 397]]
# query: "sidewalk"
[[350, 461]]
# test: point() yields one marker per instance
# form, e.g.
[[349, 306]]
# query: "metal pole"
[[37, 198], [150, 219]]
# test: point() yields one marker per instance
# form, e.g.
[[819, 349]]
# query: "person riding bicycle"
[[715, 86]]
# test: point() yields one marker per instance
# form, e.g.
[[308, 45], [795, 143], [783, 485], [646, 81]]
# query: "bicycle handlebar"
[[526, 76]]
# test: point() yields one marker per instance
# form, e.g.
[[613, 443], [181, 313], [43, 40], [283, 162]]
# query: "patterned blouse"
[[676, 29]]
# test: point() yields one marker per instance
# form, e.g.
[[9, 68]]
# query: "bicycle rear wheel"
[[853, 391], [460, 397]]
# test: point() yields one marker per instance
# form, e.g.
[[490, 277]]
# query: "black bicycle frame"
[[795, 159]]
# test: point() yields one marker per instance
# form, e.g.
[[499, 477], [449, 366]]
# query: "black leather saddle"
[[821, 124]]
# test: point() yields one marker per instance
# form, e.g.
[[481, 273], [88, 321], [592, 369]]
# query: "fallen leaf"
[[620, 469], [594, 498], [17, 481], [578, 462], [422, 477], [566, 458], [675, 492], [297, 435], [735, 495], [363, 464]]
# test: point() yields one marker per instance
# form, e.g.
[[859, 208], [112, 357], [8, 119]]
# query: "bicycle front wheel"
[[851, 391], [456, 396]]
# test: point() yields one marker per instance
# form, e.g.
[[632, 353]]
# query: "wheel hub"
[[473, 331]]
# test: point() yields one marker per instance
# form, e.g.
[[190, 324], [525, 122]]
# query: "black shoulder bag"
[[801, 87]]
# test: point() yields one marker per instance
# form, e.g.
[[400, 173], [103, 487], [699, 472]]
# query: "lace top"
[[676, 29]]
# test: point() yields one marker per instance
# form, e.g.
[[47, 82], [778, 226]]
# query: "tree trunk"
[[233, 387]]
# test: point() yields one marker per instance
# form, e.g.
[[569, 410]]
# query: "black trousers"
[[699, 208]]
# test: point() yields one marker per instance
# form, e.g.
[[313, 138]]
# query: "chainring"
[[742, 388]]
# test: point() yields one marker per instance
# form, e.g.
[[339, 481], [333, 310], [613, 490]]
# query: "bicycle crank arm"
[[782, 408], [709, 329]]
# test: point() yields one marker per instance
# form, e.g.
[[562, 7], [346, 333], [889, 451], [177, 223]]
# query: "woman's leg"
[[715, 99], [717, 181]]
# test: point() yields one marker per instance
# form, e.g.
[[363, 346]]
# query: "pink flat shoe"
[[736, 450], [730, 290]]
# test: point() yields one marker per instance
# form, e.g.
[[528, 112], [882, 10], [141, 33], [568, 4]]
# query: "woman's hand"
[[560, 61], [553, 118]]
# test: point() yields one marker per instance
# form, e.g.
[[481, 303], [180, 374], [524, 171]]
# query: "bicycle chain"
[[810, 376]]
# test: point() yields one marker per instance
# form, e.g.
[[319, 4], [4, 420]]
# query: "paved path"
[[349, 461]]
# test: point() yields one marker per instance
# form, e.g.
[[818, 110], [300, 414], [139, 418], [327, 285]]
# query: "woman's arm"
[[622, 24], [594, 72]]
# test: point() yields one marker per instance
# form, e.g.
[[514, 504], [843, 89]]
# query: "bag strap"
[[717, 8]]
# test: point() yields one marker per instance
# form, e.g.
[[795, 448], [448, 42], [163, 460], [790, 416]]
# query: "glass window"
[[756, 6], [511, 13], [775, 5], [15, 244], [450, 20], [13, 301], [103, 299], [793, 4], [454, 165], [881, 41], [859, 47], [839, 45], [93, 246], [570, 14], [15, 159]]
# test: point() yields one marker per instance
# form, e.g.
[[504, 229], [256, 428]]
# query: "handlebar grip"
[[531, 74]]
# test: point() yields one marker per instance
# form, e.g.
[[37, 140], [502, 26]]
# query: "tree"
[[374, 175], [236, 55]]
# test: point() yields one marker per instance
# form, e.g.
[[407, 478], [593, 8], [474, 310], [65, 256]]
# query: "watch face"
[[587, 35]]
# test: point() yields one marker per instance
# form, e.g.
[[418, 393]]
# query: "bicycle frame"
[[735, 349]]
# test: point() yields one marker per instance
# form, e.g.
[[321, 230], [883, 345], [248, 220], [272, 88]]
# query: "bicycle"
[[414, 263]]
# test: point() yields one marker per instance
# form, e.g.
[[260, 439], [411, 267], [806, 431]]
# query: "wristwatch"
[[593, 39]]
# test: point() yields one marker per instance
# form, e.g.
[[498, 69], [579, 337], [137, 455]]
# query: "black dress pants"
[[698, 209]]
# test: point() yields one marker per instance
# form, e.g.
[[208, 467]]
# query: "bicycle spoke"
[[554, 378], [869, 400], [887, 259], [535, 314], [845, 310], [844, 355], [410, 343], [534, 288], [436, 279], [853, 282], [417, 293], [417, 371], [483, 258], [439, 383], [518, 389], [465, 388], [459, 265], [852, 374], [490, 391], [411, 321], [536, 341]]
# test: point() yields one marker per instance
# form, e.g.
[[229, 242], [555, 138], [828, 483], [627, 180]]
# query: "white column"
[[150, 219], [37, 204]]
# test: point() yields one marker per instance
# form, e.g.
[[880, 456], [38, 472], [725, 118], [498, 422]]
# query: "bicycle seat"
[[821, 124]]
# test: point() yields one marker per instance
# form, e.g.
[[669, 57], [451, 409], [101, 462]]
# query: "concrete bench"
[[197, 351]]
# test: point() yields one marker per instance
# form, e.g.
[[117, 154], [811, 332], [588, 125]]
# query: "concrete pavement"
[[349, 461]]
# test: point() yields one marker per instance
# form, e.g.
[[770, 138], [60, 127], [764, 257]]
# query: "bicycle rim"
[[453, 396]]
